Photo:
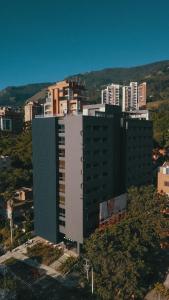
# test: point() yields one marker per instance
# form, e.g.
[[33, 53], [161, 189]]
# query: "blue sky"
[[46, 40]]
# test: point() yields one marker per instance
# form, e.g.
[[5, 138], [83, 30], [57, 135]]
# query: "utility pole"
[[10, 217], [92, 281], [87, 267]]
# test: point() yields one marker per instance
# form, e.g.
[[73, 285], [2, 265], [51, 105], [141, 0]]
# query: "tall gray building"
[[82, 167]]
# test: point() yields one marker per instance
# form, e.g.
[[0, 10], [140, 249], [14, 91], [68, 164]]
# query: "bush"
[[67, 265], [44, 254]]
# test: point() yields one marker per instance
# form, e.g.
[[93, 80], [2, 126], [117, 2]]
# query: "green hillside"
[[156, 75], [16, 96]]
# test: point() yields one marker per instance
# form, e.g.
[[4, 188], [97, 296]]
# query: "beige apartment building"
[[163, 179], [142, 95], [31, 109], [65, 97], [111, 95], [129, 97], [10, 119]]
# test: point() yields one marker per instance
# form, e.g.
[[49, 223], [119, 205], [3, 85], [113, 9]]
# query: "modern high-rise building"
[[111, 95], [126, 98], [65, 97], [130, 97], [82, 167], [31, 109], [133, 95], [142, 95]]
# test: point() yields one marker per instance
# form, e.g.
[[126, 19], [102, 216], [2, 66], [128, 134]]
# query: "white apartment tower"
[[134, 95], [111, 95], [142, 91], [130, 97], [126, 98]]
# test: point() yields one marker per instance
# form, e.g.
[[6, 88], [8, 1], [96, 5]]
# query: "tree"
[[126, 257], [19, 148]]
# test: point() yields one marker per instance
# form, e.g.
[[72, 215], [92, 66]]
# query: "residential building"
[[129, 97], [65, 97], [126, 98], [133, 95], [20, 204], [24, 194], [90, 110], [11, 120], [139, 114], [82, 167], [142, 95], [163, 179], [31, 109], [111, 95]]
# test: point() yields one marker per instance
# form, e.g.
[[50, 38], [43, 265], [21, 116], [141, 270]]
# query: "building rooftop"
[[165, 164]]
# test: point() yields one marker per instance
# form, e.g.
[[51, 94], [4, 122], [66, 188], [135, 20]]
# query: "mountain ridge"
[[155, 74]]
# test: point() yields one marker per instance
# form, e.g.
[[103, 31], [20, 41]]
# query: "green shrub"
[[67, 265], [44, 254]]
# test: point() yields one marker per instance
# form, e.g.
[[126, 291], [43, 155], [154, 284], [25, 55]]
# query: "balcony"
[[62, 164]]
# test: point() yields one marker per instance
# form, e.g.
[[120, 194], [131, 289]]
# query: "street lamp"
[[10, 204], [87, 268]]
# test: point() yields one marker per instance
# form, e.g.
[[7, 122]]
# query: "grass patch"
[[10, 261], [67, 265], [44, 254]]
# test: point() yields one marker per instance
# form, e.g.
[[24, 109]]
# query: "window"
[[96, 152], [7, 124], [61, 128], [62, 176], [166, 183], [61, 140], [62, 212], [95, 176], [96, 140], [61, 152], [61, 188], [96, 164], [96, 127], [61, 164], [62, 200], [62, 223]]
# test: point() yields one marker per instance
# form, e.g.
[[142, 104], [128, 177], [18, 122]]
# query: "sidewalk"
[[49, 270]]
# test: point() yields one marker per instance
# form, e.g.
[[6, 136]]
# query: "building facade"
[[11, 120], [65, 97], [31, 109], [129, 97], [163, 179], [82, 169], [126, 98], [142, 95], [111, 95]]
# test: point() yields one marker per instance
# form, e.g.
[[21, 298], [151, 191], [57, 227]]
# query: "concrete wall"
[[45, 178], [73, 178], [162, 187]]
